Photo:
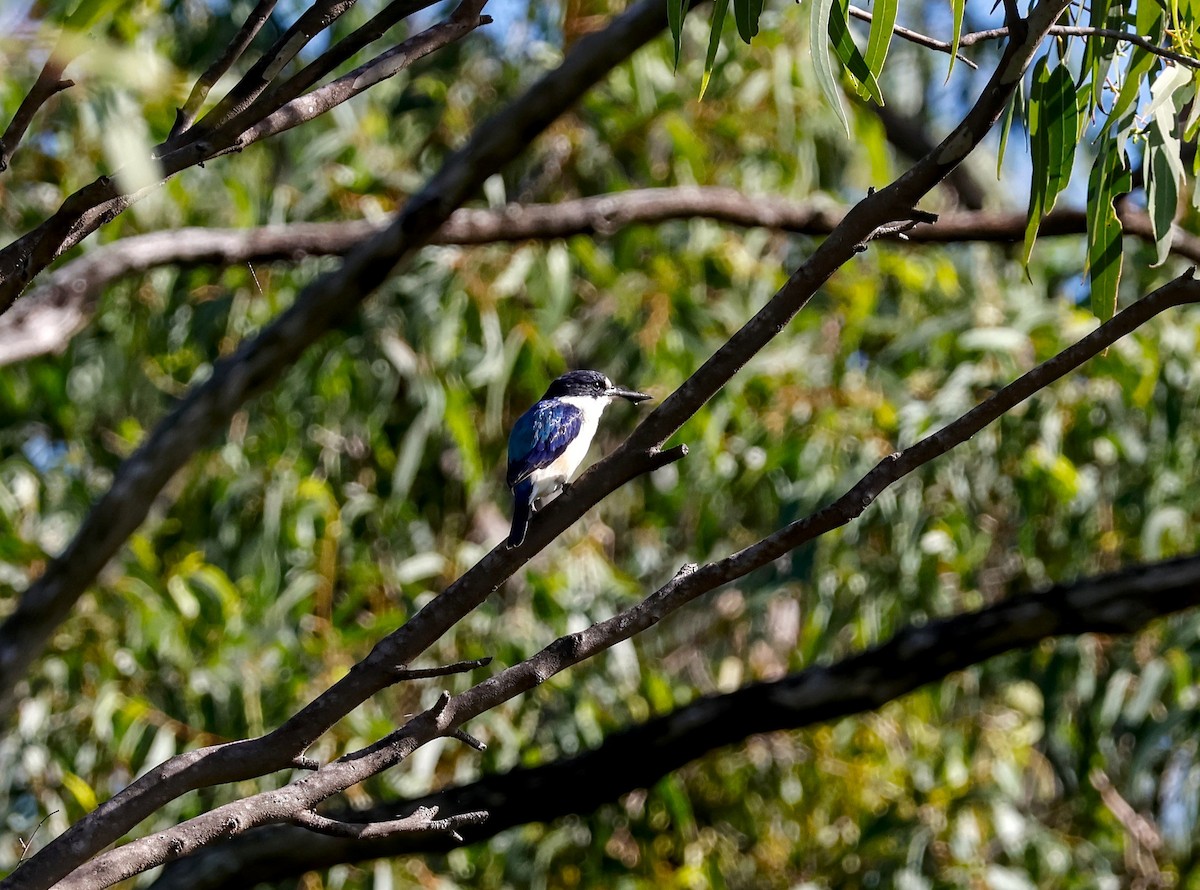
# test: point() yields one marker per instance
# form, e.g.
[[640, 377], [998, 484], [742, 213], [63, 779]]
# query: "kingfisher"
[[550, 440]]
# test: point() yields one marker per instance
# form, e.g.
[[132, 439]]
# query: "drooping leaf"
[[675, 10], [819, 15], [883, 20], [1109, 179], [1053, 136], [1097, 50], [746, 13], [1148, 23], [1010, 113], [720, 11], [957, 9], [1162, 161], [847, 51]]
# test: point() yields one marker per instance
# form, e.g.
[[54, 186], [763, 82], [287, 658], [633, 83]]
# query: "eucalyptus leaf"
[[819, 15]]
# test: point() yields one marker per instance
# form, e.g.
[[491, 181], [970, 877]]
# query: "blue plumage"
[[540, 436], [550, 440]]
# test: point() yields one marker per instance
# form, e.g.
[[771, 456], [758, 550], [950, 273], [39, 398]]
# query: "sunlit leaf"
[[1109, 179], [883, 20], [675, 11], [1053, 136], [819, 14], [1162, 161], [957, 9], [1006, 123], [720, 11], [847, 51]]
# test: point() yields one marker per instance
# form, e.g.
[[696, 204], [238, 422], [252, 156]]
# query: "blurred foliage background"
[[373, 476]]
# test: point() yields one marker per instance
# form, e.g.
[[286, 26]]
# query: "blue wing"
[[539, 437]]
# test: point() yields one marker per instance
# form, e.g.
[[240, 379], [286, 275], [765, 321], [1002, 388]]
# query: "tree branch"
[[293, 803], [45, 320], [422, 821], [49, 83], [383, 66], [186, 116], [637, 757], [915, 37], [291, 89], [1082, 31]]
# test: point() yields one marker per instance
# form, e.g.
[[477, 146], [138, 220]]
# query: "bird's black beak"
[[630, 394]]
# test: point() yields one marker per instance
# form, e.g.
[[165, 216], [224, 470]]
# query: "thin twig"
[[49, 83], [420, 822], [186, 116], [295, 86], [404, 674], [26, 844], [915, 37], [1083, 31], [387, 64]]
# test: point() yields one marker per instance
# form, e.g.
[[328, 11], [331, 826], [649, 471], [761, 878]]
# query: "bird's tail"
[[522, 511]]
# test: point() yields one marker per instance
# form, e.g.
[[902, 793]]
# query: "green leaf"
[[675, 9], [883, 20], [1162, 161], [1017, 100], [1109, 179], [819, 14], [957, 8], [720, 11], [1148, 24], [847, 51], [1053, 136], [746, 13]]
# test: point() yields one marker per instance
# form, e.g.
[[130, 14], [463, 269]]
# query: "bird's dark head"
[[590, 384]]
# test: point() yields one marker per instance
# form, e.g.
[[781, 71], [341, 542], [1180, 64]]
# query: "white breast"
[[551, 478]]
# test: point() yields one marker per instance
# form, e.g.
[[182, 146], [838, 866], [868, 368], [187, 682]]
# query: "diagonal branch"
[[385, 65], [637, 757], [342, 51], [186, 116], [49, 83], [312, 22]]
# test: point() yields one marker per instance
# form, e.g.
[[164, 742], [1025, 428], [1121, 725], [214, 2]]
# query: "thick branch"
[[45, 321], [638, 757], [328, 301]]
